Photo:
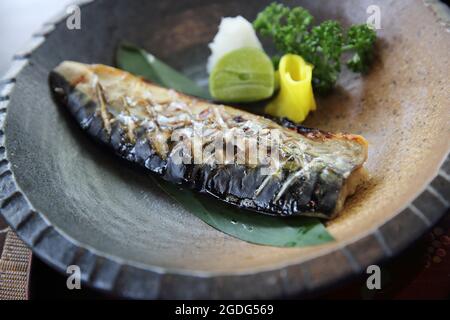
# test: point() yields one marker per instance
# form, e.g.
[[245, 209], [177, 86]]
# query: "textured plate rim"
[[128, 279]]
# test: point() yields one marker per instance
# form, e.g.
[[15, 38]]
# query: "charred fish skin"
[[132, 117]]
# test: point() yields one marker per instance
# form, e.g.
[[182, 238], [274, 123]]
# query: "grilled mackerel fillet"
[[313, 174]]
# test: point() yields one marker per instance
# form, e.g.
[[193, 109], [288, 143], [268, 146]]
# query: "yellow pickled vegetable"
[[295, 98]]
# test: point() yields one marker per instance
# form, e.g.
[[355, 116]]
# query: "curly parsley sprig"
[[321, 45]]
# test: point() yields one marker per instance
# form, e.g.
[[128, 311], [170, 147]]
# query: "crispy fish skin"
[[316, 172]]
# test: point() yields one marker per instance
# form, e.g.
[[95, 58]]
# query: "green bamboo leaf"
[[144, 64], [248, 226]]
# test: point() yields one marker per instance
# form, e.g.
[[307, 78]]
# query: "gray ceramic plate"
[[74, 204]]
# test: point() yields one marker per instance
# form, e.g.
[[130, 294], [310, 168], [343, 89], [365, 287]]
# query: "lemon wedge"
[[242, 75], [295, 99]]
